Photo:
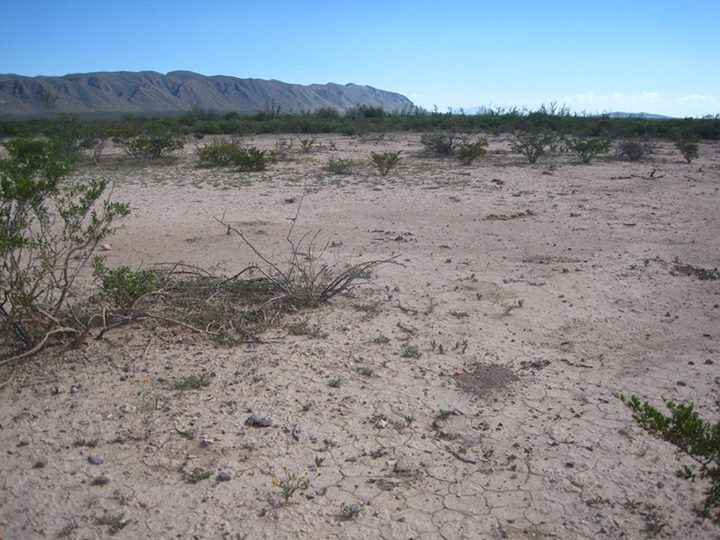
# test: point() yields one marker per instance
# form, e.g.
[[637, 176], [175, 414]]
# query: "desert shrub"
[[218, 153], [532, 145], [469, 152], [590, 148], [688, 148], [631, 149], [327, 112], [251, 158], [385, 161], [222, 152], [339, 166], [283, 146], [306, 143], [148, 146], [695, 437], [123, 286], [48, 231], [438, 144]]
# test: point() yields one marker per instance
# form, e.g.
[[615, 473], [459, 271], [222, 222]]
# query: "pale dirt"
[[532, 442]]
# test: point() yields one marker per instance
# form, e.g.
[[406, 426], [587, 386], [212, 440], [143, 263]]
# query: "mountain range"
[[179, 91]]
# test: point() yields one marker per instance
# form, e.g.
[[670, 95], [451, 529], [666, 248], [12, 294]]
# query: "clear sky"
[[654, 56]]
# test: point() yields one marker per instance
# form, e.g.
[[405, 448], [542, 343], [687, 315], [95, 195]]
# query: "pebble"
[[101, 480], [94, 460], [258, 421], [223, 477], [681, 383], [401, 467], [40, 464]]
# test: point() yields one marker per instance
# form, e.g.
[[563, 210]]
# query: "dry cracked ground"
[[470, 392]]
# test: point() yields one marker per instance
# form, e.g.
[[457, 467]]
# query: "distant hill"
[[637, 115], [177, 91]]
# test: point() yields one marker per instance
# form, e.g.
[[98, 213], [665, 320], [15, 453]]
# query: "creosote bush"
[[384, 162], [532, 145], [439, 144], [124, 287], [688, 148], [144, 147], [222, 152], [48, 232], [339, 166], [470, 151], [695, 437], [631, 149], [588, 149]]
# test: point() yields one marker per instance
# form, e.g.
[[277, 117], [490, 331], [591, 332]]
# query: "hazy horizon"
[[653, 57]]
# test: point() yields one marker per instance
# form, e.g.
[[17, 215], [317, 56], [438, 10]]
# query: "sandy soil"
[[505, 426]]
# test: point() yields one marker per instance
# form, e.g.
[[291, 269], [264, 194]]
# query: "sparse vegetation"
[[339, 166], [145, 147], [470, 151], [350, 511], [385, 161], [124, 286], [439, 144], [631, 149], [532, 145], [689, 149], [193, 382], [290, 483], [697, 438], [411, 351], [589, 149]]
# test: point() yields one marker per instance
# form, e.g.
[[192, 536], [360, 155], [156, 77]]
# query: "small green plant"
[[350, 511], [381, 340], [290, 483], [67, 530], [217, 153], [304, 328], [307, 406], [409, 419], [114, 523], [124, 286], [688, 148], [411, 351], [631, 149], [588, 149], [198, 474], [148, 147], [307, 143], [339, 166], [251, 159], [385, 161], [335, 382], [469, 152], [532, 145], [697, 438], [364, 371], [193, 382]]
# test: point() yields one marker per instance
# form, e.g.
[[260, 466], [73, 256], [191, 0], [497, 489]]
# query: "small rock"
[[101, 480], [105, 247], [23, 442], [223, 477], [708, 362], [263, 512], [401, 467], [681, 383], [258, 421], [94, 460], [40, 463], [569, 464]]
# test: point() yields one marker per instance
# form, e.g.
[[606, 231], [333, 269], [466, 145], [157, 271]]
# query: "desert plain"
[[469, 389]]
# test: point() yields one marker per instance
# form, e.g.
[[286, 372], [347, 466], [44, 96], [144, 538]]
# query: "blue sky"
[[593, 55]]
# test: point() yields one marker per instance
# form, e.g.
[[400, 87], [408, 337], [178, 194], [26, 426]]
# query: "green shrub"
[[688, 148], [385, 161], [124, 286], [438, 144], [469, 152], [148, 146], [697, 438], [590, 148], [532, 145], [48, 231], [217, 153], [339, 166], [251, 159], [631, 149]]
